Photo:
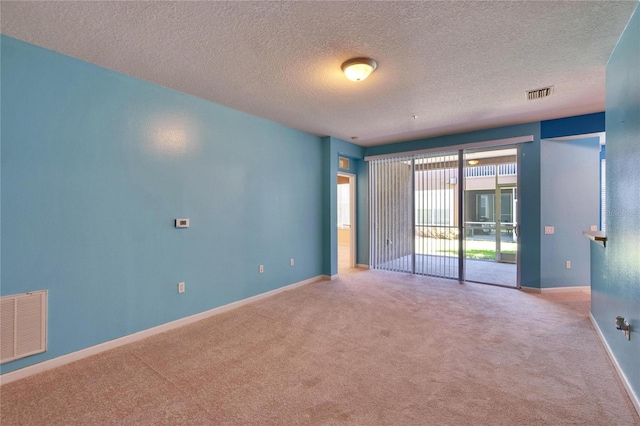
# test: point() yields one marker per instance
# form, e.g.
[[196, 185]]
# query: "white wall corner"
[[330, 277]]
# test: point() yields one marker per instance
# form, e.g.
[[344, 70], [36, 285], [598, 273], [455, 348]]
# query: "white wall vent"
[[23, 325], [539, 93], [343, 163]]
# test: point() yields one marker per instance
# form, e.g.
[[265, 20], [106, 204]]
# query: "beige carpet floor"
[[371, 348]]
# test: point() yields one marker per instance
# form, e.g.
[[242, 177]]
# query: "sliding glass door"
[[491, 216], [446, 214], [436, 214]]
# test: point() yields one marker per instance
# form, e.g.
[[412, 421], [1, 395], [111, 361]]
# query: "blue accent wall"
[[569, 126], [570, 187], [529, 184], [95, 167], [616, 267]]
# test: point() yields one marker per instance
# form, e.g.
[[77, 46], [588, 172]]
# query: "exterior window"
[[485, 207]]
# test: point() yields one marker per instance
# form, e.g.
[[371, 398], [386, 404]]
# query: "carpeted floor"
[[369, 348]]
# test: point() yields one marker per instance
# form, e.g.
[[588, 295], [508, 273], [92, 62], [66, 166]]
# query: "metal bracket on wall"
[[623, 325]]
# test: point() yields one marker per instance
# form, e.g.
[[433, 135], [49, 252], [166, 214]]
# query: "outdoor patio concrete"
[[483, 271]]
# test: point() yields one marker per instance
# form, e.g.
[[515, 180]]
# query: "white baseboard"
[[330, 277], [623, 377], [583, 289], [111, 344]]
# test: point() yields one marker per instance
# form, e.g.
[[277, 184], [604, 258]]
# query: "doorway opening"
[[346, 222]]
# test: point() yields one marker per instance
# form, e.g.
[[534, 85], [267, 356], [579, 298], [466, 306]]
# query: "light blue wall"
[[96, 166], [616, 268], [529, 178], [332, 148], [363, 212], [570, 203]]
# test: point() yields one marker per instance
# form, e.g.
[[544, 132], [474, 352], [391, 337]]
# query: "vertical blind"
[[414, 214], [391, 198], [436, 229]]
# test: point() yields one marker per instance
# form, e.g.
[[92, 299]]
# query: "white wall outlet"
[[181, 287], [292, 262], [568, 264], [549, 230], [261, 269], [594, 227]]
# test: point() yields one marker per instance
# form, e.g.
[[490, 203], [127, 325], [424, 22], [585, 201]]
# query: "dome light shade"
[[357, 69]]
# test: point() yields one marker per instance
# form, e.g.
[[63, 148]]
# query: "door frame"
[[352, 219], [517, 212]]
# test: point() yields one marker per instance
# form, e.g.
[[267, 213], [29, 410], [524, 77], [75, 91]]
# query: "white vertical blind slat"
[[411, 206]]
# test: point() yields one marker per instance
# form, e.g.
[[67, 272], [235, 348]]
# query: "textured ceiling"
[[457, 66]]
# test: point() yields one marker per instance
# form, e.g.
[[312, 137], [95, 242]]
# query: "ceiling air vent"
[[539, 93]]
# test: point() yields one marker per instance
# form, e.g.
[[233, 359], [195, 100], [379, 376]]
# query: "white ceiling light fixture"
[[357, 69]]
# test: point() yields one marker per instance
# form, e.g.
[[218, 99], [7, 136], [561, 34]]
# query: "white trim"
[[93, 350], [353, 234], [330, 277], [471, 145], [635, 400], [582, 288], [601, 135]]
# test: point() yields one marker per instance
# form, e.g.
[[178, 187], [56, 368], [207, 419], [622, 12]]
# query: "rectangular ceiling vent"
[[539, 93]]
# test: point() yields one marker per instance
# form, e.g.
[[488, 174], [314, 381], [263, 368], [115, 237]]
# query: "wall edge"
[[635, 399]]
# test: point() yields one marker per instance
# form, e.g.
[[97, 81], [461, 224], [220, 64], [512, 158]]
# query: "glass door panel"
[[507, 240], [490, 216]]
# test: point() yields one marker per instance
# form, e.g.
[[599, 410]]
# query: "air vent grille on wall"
[[539, 93], [343, 163], [23, 325]]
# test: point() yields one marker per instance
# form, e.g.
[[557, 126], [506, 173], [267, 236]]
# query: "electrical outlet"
[[549, 230], [594, 227], [261, 269], [181, 287], [292, 262], [568, 264]]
